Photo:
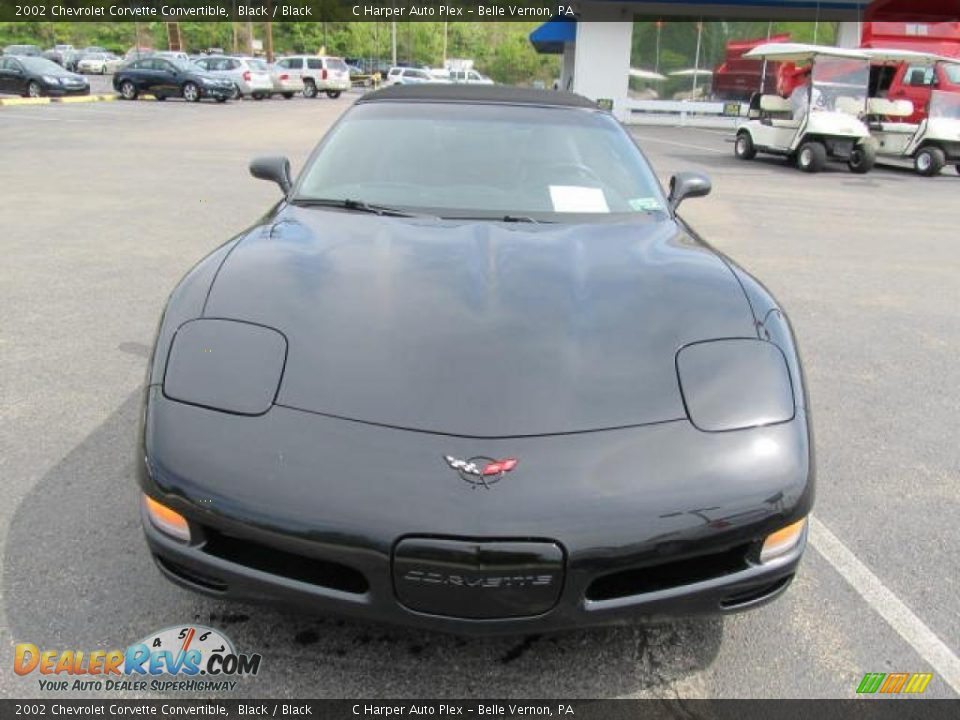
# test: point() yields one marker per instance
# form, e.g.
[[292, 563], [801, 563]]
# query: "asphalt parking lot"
[[106, 205]]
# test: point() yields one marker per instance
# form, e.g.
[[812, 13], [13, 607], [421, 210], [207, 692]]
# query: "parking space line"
[[689, 146], [901, 618]]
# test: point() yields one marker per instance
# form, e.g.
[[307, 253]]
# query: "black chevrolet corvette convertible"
[[478, 378]]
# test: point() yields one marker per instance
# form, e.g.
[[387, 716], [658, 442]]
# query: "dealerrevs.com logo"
[[189, 658]]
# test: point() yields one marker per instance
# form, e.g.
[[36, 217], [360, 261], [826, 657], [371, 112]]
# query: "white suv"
[[319, 74]]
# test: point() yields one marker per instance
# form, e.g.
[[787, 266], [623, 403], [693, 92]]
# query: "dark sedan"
[[482, 378], [164, 77], [37, 77]]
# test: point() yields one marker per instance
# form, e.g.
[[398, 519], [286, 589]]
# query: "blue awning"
[[550, 37]]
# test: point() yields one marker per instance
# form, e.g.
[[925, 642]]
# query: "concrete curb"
[[25, 101], [69, 99]]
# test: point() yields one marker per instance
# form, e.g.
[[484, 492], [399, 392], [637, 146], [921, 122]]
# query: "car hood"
[[480, 329]]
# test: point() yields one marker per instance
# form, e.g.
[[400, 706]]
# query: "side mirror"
[[275, 168], [687, 185]]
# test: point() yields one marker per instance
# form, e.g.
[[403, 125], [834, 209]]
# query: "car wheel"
[[237, 95], [128, 91], [744, 148], [862, 158], [191, 93], [957, 168], [258, 96], [309, 89], [33, 89], [812, 156], [220, 99], [333, 94], [288, 96], [929, 161]]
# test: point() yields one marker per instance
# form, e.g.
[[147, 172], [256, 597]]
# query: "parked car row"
[[416, 76]]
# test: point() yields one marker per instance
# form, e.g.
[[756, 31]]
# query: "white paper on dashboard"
[[578, 199]]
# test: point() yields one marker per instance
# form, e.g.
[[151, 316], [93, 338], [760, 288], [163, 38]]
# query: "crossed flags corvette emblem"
[[481, 471]]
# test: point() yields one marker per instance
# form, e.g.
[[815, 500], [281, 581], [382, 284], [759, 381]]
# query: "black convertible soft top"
[[459, 92]]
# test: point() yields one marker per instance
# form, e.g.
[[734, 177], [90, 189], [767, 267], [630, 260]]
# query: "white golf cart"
[[931, 143], [820, 119]]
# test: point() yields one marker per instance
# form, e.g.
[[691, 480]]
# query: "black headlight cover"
[[225, 365], [735, 384]]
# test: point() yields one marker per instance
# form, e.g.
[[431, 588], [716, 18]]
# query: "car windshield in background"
[[41, 65], [258, 65], [484, 161], [185, 65]]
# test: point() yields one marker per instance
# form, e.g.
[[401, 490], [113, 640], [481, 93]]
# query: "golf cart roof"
[[689, 72], [801, 52], [646, 75], [880, 56]]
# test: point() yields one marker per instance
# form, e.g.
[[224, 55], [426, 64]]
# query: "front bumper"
[[63, 91], [652, 523], [216, 91]]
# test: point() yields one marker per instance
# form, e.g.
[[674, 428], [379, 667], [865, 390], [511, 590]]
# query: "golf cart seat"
[[777, 111], [849, 105], [880, 108]]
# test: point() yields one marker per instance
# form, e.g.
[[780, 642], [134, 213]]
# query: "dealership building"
[[596, 43]]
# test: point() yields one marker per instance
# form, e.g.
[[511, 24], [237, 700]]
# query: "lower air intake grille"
[[651, 578], [324, 573]]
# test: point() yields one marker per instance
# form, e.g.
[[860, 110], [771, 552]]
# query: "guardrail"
[[685, 112]]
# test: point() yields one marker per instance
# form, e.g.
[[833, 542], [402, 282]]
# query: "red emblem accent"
[[498, 467]]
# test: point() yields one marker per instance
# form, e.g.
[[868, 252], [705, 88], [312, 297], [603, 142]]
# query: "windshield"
[[41, 65], [953, 72], [840, 85], [483, 161], [945, 105], [258, 65]]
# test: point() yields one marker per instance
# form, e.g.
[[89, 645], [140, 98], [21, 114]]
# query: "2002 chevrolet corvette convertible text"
[[481, 378]]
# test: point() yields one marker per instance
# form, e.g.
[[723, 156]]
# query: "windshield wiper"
[[496, 218], [355, 205]]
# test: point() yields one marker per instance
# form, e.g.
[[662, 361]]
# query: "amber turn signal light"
[[782, 541], [167, 520]]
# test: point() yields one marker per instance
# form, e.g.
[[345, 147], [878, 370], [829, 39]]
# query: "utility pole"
[[268, 43], [696, 61], [656, 67], [444, 44], [249, 37], [393, 44]]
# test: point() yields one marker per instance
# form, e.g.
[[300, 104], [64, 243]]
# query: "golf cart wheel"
[[812, 156], [929, 161], [862, 158], [128, 91], [191, 93], [309, 89], [744, 147], [333, 94], [34, 90]]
